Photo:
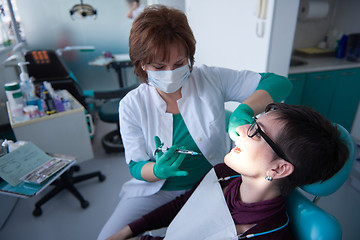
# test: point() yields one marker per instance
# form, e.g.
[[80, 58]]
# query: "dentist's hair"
[[311, 143], [152, 33]]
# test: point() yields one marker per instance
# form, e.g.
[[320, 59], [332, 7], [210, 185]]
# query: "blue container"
[[341, 49]]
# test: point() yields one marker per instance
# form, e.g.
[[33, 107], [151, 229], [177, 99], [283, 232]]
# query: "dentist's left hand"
[[167, 164], [242, 115]]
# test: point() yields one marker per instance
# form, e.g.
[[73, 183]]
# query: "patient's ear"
[[282, 169]]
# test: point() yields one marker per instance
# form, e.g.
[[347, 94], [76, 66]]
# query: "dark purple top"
[[267, 215]]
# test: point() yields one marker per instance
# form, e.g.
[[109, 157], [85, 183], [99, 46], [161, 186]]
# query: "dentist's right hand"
[[167, 164]]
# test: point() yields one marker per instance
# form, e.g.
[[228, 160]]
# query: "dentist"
[[179, 106]]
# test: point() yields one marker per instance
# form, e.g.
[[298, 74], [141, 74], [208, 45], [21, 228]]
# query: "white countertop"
[[103, 61], [319, 64]]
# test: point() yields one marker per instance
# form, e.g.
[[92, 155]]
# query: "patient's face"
[[253, 157]]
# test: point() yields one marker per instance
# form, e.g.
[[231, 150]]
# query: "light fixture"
[[82, 11]]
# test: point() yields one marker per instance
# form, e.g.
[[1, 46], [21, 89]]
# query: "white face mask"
[[169, 81]]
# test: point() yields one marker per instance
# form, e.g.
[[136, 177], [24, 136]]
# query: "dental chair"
[[310, 222]]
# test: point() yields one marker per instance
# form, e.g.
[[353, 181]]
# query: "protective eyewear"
[[255, 129]]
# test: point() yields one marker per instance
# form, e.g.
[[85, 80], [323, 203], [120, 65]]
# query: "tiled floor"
[[63, 218]]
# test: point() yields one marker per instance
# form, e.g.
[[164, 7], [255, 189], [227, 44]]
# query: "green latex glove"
[[242, 115], [279, 87], [167, 164]]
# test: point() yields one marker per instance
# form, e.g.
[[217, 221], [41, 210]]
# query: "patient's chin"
[[227, 160]]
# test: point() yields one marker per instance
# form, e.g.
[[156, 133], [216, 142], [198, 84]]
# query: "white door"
[[239, 34]]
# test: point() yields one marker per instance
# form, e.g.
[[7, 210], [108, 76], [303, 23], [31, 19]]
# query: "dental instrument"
[[181, 151]]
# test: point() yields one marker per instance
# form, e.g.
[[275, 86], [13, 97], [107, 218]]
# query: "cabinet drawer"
[[64, 133], [334, 94], [346, 98], [298, 81], [318, 91]]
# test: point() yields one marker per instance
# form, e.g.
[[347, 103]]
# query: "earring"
[[143, 67], [267, 177]]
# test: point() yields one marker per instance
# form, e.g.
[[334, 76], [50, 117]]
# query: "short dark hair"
[[153, 31], [311, 143]]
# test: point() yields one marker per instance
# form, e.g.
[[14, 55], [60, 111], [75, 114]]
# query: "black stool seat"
[[109, 112]]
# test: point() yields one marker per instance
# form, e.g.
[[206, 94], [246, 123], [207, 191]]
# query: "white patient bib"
[[205, 215]]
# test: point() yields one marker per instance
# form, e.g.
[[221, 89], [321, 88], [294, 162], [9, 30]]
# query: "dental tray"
[[45, 171]]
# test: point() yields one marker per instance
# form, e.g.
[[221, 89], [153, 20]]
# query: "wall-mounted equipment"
[[261, 8]]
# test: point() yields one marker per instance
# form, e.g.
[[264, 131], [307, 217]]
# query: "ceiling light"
[[82, 11]]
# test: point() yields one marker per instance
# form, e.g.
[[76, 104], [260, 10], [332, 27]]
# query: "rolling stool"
[[109, 112], [67, 181]]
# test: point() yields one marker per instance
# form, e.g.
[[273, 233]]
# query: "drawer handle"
[[293, 79], [323, 77], [348, 73], [92, 128]]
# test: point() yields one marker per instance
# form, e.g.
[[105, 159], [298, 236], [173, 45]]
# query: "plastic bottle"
[[14, 94], [341, 49], [66, 100], [57, 100], [42, 101], [26, 85], [66, 103], [16, 101], [48, 101]]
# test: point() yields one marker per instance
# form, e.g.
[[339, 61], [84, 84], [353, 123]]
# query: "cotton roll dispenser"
[[313, 10]]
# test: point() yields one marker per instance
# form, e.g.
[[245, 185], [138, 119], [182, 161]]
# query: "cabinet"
[[318, 91], [334, 94], [298, 81], [346, 97], [62, 133]]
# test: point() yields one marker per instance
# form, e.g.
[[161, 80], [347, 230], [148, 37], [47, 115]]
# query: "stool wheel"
[[75, 168], [85, 204], [102, 177], [37, 212], [112, 142]]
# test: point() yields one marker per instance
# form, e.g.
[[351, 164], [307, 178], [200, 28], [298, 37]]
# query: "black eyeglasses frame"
[[267, 139]]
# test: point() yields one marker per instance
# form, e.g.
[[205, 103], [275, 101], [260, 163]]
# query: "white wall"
[[47, 25], [179, 4], [226, 34], [347, 16]]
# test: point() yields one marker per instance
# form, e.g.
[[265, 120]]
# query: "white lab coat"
[[142, 114]]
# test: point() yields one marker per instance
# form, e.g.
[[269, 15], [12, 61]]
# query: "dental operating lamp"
[[82, 11]]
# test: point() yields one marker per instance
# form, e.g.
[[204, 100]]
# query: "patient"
[[286, 147]]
